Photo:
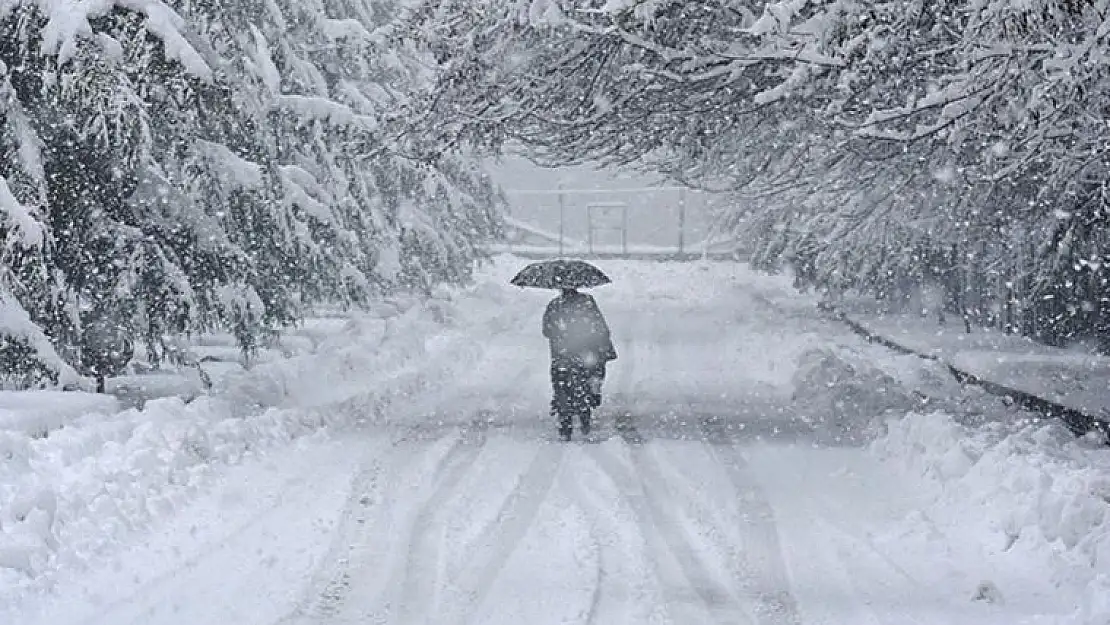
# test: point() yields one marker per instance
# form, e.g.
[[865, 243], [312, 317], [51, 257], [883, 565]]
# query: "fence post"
[[509, 215], [562, 217], [590, 229], [681, 221], [624, 230]]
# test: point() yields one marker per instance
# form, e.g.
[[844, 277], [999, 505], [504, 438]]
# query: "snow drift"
[[68, 497], [1017, 494]]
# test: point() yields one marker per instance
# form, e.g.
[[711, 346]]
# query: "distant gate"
[[649, 222]]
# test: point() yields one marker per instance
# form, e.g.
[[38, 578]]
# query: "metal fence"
[[621, 222]]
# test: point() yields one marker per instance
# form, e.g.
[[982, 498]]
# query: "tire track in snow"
[[354, 577], [600, 577], [766, 576], [836, 578], [148, 597], [502, 537], [720, 600], [332, 581], [359, 567], [599, 580], [419, 584], [666, 537], [610, 582]]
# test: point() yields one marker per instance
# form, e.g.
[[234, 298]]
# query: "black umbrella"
[[560, 274]]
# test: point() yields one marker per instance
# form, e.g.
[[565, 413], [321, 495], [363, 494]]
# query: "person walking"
[[578, 335], [581, 348]]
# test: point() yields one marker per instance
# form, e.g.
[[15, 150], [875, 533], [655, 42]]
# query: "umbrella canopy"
[[560, 274]]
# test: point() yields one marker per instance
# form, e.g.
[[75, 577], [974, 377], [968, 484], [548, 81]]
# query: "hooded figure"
[[580, 349]]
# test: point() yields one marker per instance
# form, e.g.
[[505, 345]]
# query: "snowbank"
[[69, 498], [842, 394], [1014, 495], [1072, 380], [847, 389], [1069, 379], [35, 413]]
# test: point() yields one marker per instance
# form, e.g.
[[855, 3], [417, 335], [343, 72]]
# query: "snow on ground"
[[34, 414], [1070, 378], [1027, 499], [265, 522], [70, 499], [752, 463], [1076, 381]]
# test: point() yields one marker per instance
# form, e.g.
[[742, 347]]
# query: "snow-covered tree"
[[890, 141], [180, 165]]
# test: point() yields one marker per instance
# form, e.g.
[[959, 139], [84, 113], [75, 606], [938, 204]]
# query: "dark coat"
[[577, 330]]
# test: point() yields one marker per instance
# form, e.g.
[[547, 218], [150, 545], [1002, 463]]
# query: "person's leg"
[[561, 398], [580, 395], [597, 378]]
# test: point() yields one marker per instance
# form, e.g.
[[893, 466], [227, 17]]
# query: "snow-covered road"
[[478, 515], [716, 490]]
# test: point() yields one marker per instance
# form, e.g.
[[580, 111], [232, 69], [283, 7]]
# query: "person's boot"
[[594, 397], [565, 434]]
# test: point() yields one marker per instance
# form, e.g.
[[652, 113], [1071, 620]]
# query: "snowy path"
[[703, 499], [479, 516], [502, 530]]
